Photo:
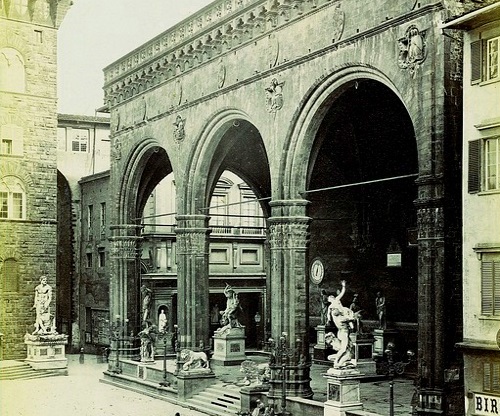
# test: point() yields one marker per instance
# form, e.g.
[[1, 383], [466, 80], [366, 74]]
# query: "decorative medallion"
[[274, 96], [317, 271], [338, 21], [412, 49], [273, 49], [221, 74], [179, 133]]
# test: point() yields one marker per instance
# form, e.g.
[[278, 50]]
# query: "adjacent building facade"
[[28, 162], [481, 208]]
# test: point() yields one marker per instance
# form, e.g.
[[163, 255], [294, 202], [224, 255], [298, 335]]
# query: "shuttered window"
[[476, 62], [474, 179], [490, 288], [491, 376]]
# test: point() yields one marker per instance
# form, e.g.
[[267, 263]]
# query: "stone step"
[[218, 399], [23, 371]]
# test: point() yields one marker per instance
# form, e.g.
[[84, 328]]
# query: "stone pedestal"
[[321, 350], [229, 347], [382, 337], [342, 392], [46, 352], [363, 345]]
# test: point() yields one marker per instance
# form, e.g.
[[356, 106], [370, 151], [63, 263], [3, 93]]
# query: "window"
[[219, 255], [491, 376], [484, 165], [6, 146], [249, 256], [218, 210], [485, 60], [89, 259], [11, 139], [490, 286], [492, 58], [103, 218], [10, 276], [12, 198], [90, 214], [80, 140], [102, 257]]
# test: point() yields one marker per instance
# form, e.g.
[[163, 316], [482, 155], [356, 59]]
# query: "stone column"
[[289, 295], [431, 311], [192, 280], [124, 303]]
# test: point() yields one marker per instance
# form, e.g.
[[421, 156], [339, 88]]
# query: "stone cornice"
[[126, 78]]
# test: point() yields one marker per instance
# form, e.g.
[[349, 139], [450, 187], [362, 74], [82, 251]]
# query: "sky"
[[95, 33]]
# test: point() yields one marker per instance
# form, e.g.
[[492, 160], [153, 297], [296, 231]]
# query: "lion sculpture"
[[255, 373], [194, 360]]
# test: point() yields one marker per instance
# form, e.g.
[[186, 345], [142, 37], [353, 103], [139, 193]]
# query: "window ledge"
[[487, 248], [489, 317], [488, 124]]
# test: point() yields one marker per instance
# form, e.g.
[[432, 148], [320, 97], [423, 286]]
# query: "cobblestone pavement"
[[81, 394]]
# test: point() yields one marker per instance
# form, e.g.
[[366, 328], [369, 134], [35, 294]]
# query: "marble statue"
[[148, 340], [356, 309], [380, 305], [162, 321], [147, 295], [343, 318], [193, 360], [44, 321], [255, 373], [229, 317]]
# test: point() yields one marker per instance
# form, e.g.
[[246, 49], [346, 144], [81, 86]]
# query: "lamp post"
[[116, 330], [257, 318], [394, 368], [165, 335]]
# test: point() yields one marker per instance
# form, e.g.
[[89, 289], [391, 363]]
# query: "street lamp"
[[395, 368], [165, 335], [257, 318]]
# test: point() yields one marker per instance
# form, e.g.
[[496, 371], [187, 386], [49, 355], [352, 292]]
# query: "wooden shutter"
[[487, 288], [474, 179], [476, 62]]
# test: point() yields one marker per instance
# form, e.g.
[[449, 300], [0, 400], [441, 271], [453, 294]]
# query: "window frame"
[[478, 165], [14, 189]]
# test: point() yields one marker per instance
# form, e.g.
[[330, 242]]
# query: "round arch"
[[309, 116], [208, 157], [147, 164]]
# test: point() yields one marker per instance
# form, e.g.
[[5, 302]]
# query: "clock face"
[[317, 271]]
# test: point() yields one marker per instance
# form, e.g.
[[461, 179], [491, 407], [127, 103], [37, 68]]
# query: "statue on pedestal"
[[147, 295], [44, 322], [148, 339], [162, 321], [344, 319], [324, 306], [380, 305], [229, 318]]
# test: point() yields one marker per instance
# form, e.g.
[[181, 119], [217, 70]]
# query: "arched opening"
[[65, 256], [361, 188]]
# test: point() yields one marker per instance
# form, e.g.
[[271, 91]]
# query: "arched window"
[[10, 275], [11, 137], [12, 198], [12, 71]]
